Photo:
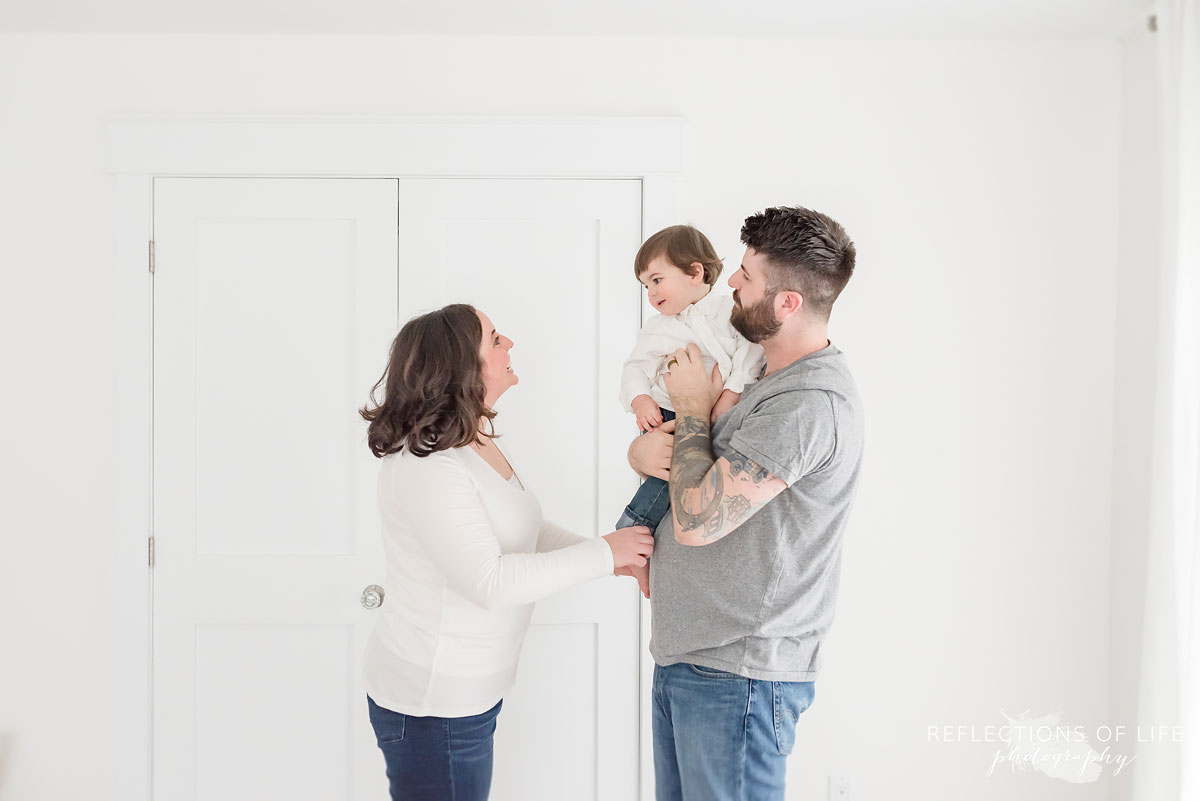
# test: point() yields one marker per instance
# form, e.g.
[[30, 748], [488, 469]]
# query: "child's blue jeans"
[[651, 502]]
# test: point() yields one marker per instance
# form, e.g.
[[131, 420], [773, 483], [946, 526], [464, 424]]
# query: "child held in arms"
[[679, 266]]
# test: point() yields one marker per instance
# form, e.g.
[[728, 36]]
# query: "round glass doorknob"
[[372, 596]]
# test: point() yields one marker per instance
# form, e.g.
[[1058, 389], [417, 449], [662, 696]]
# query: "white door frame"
[[140, 148]]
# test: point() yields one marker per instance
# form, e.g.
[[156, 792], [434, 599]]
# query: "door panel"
[[550, 262], [275, 303]]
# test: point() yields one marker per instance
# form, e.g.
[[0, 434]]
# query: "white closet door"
[[551, 263], [274, 304], [275, 301]]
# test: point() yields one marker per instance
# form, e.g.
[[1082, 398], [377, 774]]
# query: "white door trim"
[[582, 147], [139, 148]]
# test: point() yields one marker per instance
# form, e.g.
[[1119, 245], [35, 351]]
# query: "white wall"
[[1137, 338], [980, 182]]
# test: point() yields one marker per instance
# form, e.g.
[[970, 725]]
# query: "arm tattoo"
[[712, 528], [687, 426], [739, 508], [692, 476], [733, 511], [697, 486], [740, 464]]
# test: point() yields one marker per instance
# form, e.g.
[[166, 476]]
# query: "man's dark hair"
[[807, 252]]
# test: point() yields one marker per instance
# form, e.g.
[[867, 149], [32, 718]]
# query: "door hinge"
[[152, 257], [150, 551]]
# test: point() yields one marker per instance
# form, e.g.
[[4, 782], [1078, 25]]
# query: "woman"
[[468, 552]]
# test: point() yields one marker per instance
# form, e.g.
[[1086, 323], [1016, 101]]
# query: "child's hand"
[[642, 574], [725, 402], [648, 416]]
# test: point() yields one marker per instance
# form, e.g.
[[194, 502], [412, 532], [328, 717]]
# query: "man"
[[745, 573]]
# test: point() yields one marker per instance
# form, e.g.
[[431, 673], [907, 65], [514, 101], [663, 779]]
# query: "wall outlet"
[[840, 787]]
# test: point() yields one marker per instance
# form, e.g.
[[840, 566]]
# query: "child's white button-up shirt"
[[706, 323]]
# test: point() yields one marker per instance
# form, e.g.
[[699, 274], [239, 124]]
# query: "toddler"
[[679, 267]]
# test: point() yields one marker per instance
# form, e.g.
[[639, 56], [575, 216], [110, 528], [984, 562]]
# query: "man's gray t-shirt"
[[759, 601]]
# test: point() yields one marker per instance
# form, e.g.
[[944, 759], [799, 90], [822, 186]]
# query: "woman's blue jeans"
[[723, 737], [435, 759]]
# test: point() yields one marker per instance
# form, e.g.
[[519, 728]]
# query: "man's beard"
[[756, 322]]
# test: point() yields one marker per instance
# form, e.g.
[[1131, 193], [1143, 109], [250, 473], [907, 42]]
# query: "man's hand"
[[648, 414], [642, 574], [650, 453], [693, 394]]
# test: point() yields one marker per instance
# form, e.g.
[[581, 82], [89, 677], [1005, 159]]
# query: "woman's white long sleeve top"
[[467, 555]]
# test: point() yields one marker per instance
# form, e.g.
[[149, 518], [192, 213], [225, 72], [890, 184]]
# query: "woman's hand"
[[650, 454], [631, 547], [642, 574]]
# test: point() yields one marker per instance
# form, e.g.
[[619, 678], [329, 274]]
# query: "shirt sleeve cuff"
[[762, 460], [604, 557], [737, 382], [628, 395]]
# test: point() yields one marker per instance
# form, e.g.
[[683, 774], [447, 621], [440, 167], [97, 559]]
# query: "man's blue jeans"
[[435, 759], [723, 737]]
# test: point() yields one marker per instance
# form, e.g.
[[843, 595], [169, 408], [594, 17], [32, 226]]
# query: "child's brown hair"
[[682, 246]]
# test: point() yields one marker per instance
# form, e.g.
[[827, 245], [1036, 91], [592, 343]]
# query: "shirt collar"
[[707, 306]]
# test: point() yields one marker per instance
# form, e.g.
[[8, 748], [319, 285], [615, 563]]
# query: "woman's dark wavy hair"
[[434, 393]]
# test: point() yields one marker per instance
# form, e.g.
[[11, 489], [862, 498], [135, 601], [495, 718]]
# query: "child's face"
[[670, 289]]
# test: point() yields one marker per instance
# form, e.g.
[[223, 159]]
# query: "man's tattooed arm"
[[710, 498], [695, 489]]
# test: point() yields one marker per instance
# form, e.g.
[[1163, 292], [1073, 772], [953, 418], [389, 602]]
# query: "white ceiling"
[[991, 19]]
